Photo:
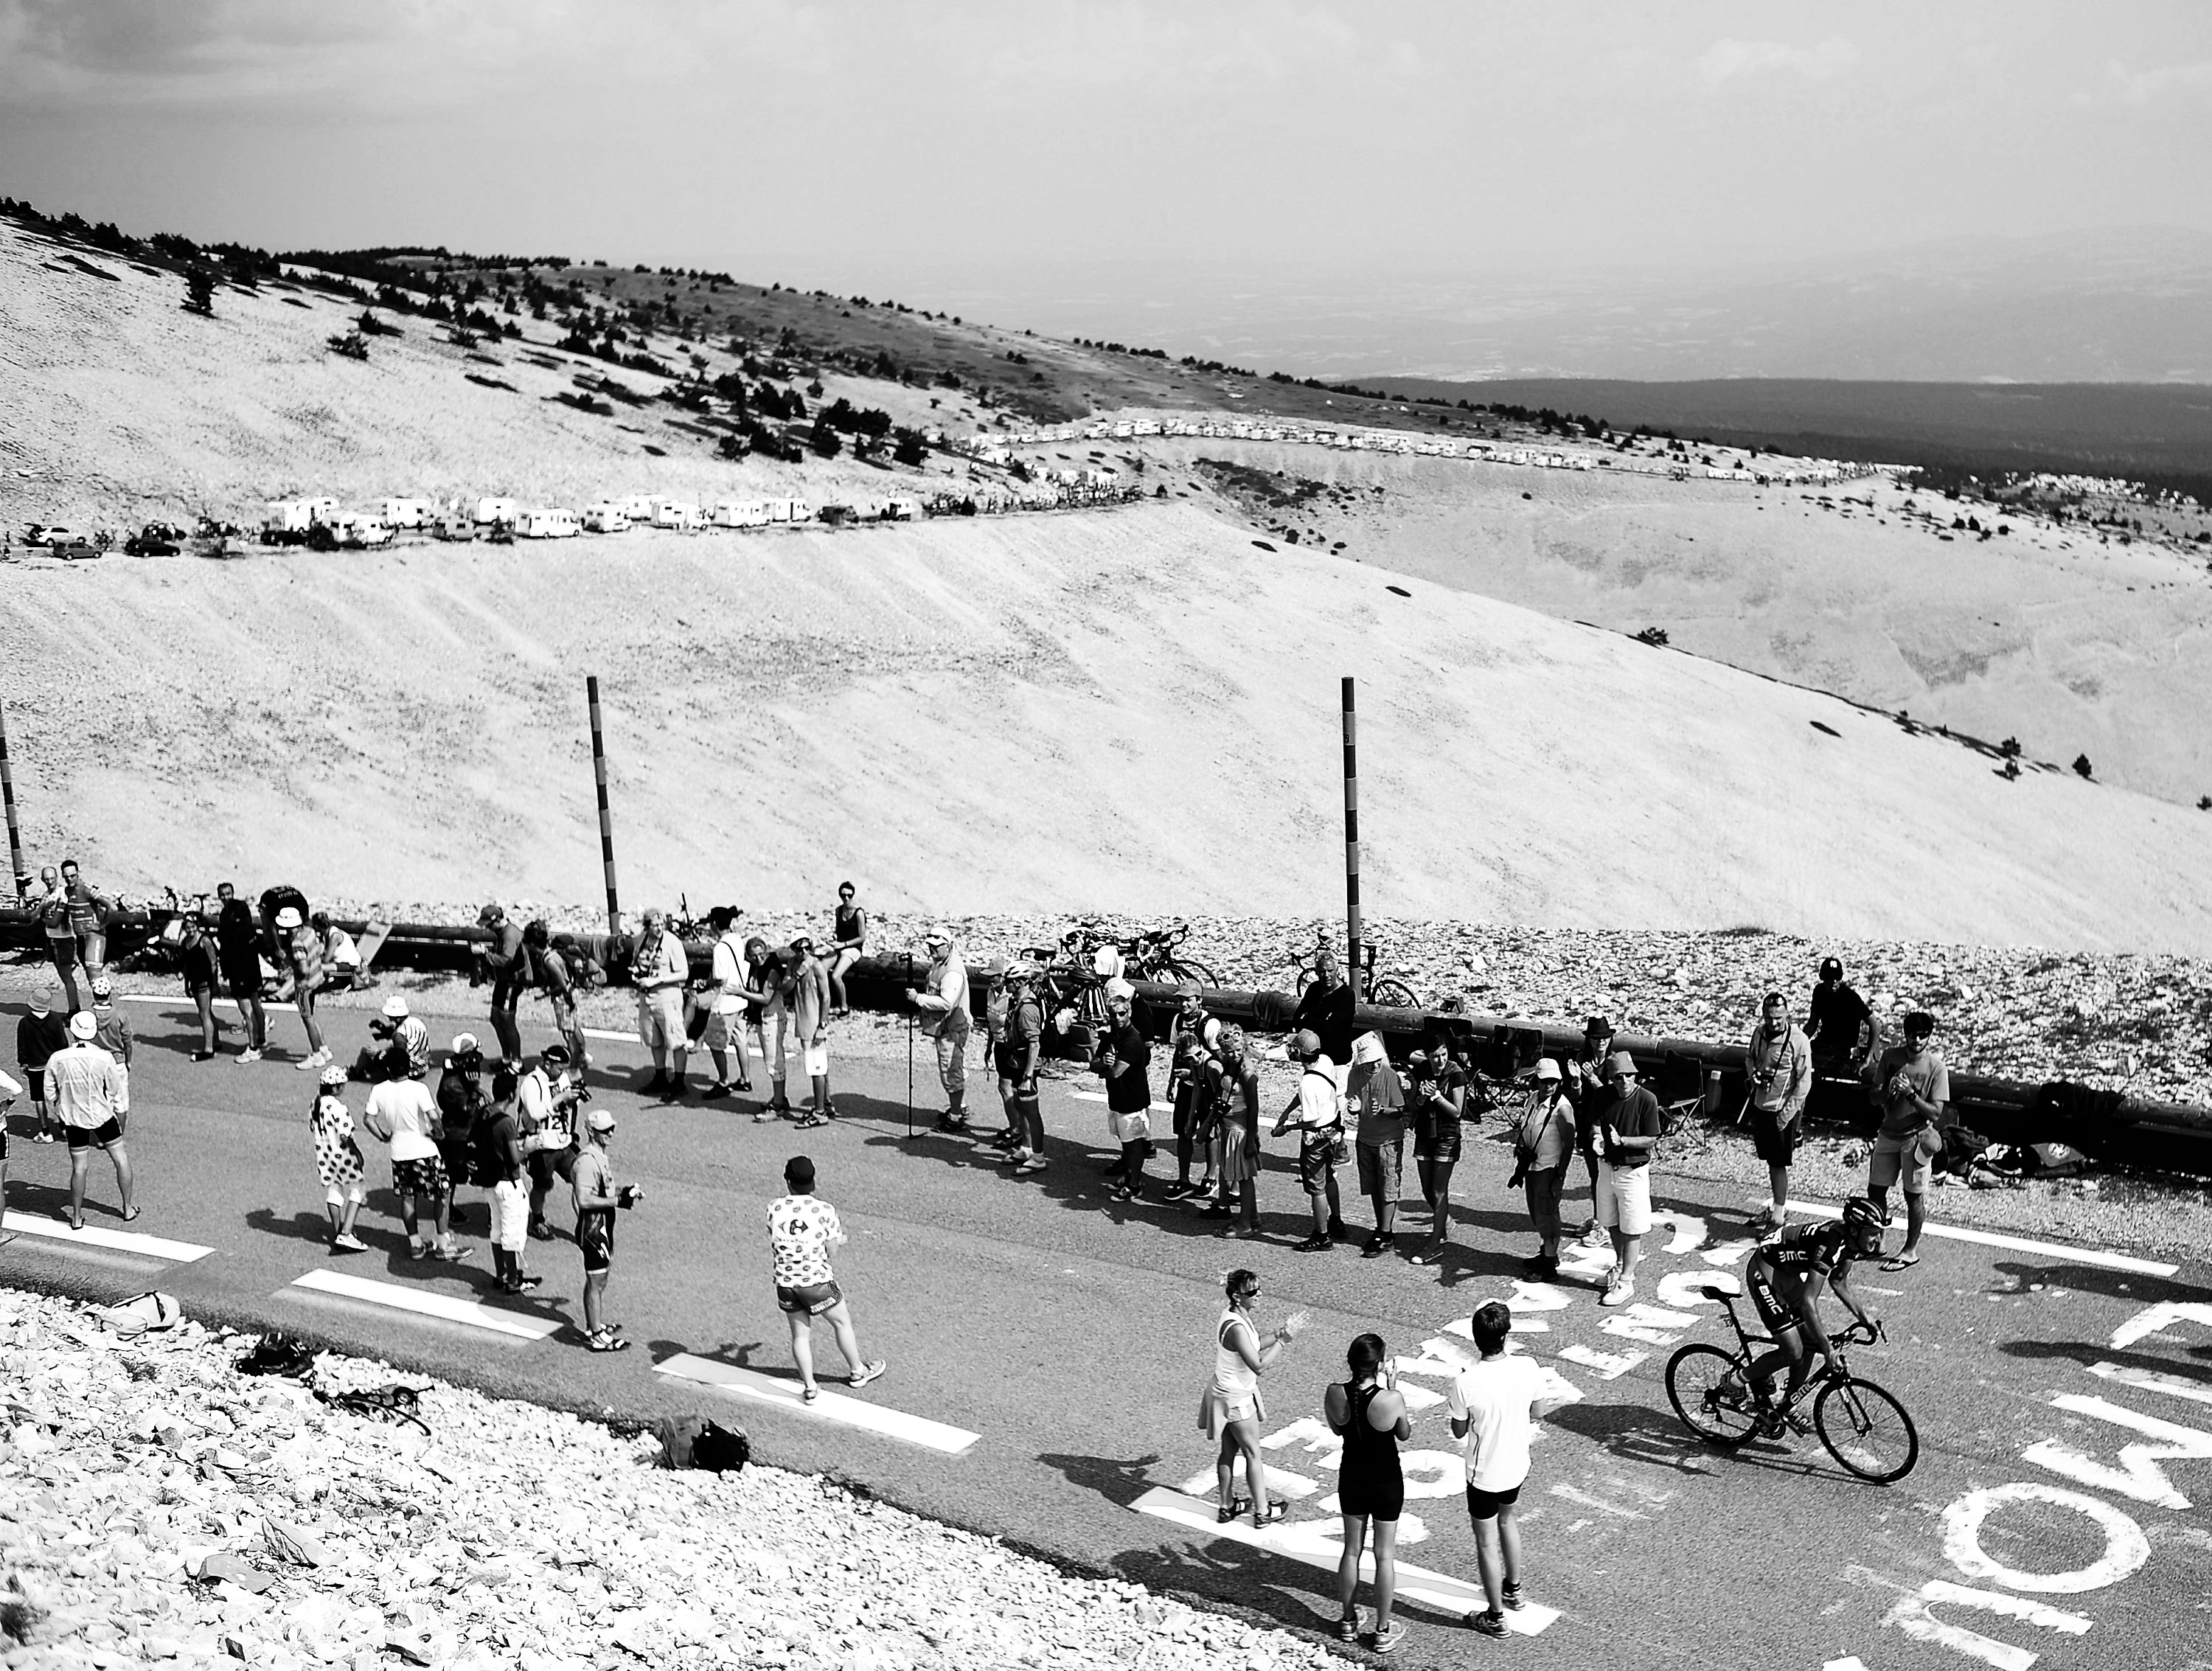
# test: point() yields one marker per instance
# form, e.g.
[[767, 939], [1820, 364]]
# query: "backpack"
[[278, 1353], [693, 1442]]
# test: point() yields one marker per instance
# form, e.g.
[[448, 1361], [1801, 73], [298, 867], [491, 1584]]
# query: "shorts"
[[547, 1164], [1624, 1199], [1907, 1155], [1317, 1163], [38, 1078], [1773, 1143], [1383, 1499], [243, 976], [1006, 1060], [810, 1299], [724, 1030], [193, 989], [459, 1155], [1217, 1408], [1483, 1505], [95, 1137], [660, 1019], [595, 1240], [1780, 1317], [510, 1213], [1382, 1167], [339, 1194], [426, 1176], [1436, 1139]]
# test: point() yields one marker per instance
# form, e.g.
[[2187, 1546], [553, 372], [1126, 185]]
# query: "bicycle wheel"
[[1866, 1430], [1393, 995], [1705, 1386], [1189, 969]]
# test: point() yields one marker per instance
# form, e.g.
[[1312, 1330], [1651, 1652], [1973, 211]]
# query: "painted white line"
[[1100, 1097], [830, 1407], [1300, 1544], [2097, 1256], [115, 1241], [2151, 1381], [186, 1003], [447, 1308]]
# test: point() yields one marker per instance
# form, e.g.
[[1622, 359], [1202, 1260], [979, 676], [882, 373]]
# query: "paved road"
[[2064, 1404]]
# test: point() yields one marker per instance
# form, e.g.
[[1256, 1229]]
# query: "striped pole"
[[8, 793], [1352, 836], [606, 819]]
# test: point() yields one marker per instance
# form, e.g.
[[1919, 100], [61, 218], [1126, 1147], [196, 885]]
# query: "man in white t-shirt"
[[725, 1021], [661, 967], [1318, 1113], [1493, 1407], [802, 1228], [405, 1114]]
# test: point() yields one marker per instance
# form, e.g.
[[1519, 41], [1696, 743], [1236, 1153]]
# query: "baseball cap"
[[1620, 1062], [556, 1053], [599, 1121], [490, 913], [799, 1170], [101, 990], [937, 934], [289, 917], [83, 1025], [1305, 1042], [395, 1008], [463, 1043], [1547, 1069]]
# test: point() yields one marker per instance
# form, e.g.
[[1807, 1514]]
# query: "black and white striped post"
[[606, 819], [1350, 836], [7, 794]]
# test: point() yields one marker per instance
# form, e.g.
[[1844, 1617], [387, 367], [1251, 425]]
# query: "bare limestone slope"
[[1130, 710]]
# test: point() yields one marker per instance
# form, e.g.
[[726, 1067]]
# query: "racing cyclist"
[[1785, 1277]]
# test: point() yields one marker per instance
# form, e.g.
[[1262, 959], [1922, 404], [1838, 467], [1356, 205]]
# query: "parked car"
[[56, 534], [151, 541]]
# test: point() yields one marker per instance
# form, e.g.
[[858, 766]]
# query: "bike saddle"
[[1716, 1291]]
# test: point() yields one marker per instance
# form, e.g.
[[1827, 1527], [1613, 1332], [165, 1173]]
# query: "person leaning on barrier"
[[1327, 1009], [341, 956]]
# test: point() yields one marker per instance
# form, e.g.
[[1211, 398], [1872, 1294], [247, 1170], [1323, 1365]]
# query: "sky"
[[1041, 149]]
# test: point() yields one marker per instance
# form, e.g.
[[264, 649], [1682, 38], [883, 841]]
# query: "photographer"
[[593, 1187], [402, 1045], [462, 1110], [550, 974], [547, 1098]]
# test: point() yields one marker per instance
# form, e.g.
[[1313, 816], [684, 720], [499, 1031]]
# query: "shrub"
[[352, 345], [909, 450], [2010, 748], [2081, 765], [1655, 636], [199, 292], [827, 444]]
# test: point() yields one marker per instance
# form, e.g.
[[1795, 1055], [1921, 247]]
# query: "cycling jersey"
[[1802, 1250]]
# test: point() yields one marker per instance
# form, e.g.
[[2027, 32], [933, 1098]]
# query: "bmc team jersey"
[[1804, 1251]]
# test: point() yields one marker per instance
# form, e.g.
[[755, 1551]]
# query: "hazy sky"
[[868, 145]]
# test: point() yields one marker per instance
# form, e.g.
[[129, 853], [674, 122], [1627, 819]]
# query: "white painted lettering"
[[2152, 1319], [1690, 1230], [2138, 1475], [2150, 1381], [2126, 1548], [1914, 1615], [1649, 1324], [1686, 1289], [1606, 1365]]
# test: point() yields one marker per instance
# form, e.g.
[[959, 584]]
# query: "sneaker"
[[1178, 1190], [451, 1252], [1383, 1642], [1033, 1163], [714, 1092], [43, 1136], [1012, 1157], [310, 1063], [763, 1116], [1339, 1231], [1121, 1192], [203, 1055], [1347, 1628], [523, 1284], [1597, 1237], [1619, 1293], [1511, 1595], [1378, 1245], [1488, 1623], [350, 1242], [1312, 1244], [249, 1055], [418, 1251], [1539, 1269], [866, 1373]]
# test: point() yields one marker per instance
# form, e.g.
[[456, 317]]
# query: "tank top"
[[848, 922], [1230, 1372], [1369, 1455]]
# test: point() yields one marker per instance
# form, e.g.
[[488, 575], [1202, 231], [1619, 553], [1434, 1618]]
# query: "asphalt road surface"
[[2063, 1396]]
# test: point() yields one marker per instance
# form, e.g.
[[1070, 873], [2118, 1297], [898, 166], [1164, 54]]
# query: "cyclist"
[[1785, 1277]]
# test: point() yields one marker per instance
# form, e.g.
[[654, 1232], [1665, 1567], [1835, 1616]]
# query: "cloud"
[[2140, 87], [1726, 60]]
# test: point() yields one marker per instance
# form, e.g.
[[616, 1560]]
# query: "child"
[[338, 1160]]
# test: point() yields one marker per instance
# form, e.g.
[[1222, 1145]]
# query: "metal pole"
[[8, 793], [1351, 927], [606, 819]]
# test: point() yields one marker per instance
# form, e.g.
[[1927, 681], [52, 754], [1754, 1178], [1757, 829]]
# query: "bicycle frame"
[[1747, 1345]]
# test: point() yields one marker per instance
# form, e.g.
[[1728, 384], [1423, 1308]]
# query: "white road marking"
[[1433, 1590], [2097, 1256], [2151, 1381], [1582, 1498], [447, 1308], [1690, 1230], [1914, 1615], [1281, 1482], [1606, 1365], [1100, 1097], [1853, 1663], [115, 1241], [187, 1004], [1649, 1324], [2152, 1319], [1686, 1288], [2138, 1474], [2125, 1549], [830, 1407]]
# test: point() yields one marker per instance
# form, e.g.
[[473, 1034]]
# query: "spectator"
[[1912, 1091], [764, 1020], [503, 1162], [1234, 1083], [303, 953], [1124, 1054], [1778, 1065], [597, 1198], [1543, 1142], [551, 973], [1187, 1052], [9, 1090], [203, 973], [341, 956], [462, 1110], [115, 1038], [1493, 1406], [1230, 1410], [1326, 1009], [1377, 1097], [1627, 1120], [660, 967], [52, 904], [1368, 1414], [1018, 1054], [849, 938], [338, 1159], [806, 999], [1839, 1026], [88, 919], [725, 1020], [81, 1081], [400, 1043], [1437, 1095], [1585, 1088], [548, 1097], [239, 946], [403, 1113], [802, 1228], [942, 1002], [508, 964], [39, 1035], [1320, 1123]]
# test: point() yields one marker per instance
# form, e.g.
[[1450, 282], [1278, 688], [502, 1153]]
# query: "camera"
[[627, 1195]]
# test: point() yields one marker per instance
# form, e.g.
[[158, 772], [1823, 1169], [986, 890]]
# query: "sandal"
[[808, 1394], [607, 1340], [1902, 1261], [133, 1213], [1276, 1509], [1236, 1506]]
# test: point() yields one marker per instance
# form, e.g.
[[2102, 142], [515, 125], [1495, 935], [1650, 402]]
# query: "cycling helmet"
[[1864, 1223]]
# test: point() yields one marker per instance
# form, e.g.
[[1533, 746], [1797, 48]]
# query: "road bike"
[[1388, 993], [1156, 954], [1863, 1425]]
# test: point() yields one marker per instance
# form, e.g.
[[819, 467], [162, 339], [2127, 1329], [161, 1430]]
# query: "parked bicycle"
[[1863, 1425], [1156, 954], [1389, 991]]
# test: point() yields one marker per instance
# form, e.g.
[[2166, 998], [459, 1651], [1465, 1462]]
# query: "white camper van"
[[406, 513], [740, 513], [679, 513], [604, 516], [546, 522], [497, 510]]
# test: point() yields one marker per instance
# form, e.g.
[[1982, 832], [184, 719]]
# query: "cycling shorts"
[[1776, 1311]]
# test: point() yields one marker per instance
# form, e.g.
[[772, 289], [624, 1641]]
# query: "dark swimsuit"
[[1368, 1480]]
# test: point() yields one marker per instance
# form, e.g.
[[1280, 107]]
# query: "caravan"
[[638, 508], [604, 516], [546, 522], [497, 511], [740, 513], [406, 513], [679, 513]]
